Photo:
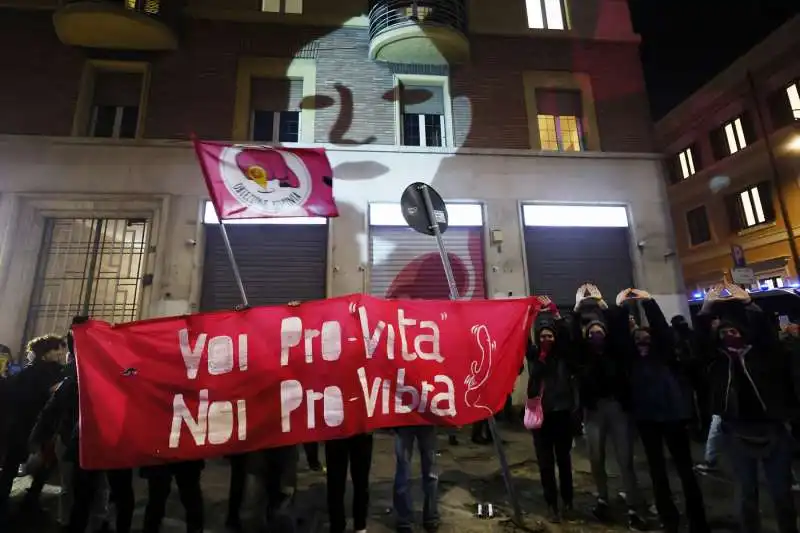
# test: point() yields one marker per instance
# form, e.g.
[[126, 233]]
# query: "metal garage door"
[[404, 263], [279, 263], [560, 258]]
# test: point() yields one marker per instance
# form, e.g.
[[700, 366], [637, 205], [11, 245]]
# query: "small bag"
[[534, 415]]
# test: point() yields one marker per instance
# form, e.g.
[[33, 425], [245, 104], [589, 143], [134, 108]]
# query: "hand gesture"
[[632, 294], [738, 293], [589, 290], [713, 293], [293, 303]]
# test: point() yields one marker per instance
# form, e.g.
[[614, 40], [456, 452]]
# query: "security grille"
[[88, 266]]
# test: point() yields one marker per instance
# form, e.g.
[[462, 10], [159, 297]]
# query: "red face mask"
[[544, 347]]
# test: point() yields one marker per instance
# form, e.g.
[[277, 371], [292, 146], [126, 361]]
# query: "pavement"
[[469, 474]]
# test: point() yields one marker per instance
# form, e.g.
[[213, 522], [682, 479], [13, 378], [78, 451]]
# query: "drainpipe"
[[775, 174]]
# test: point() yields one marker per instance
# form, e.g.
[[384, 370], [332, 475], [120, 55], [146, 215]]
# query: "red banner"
[[222, 383], [247, 181]]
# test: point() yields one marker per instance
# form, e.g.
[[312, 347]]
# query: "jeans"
[[355, 452], [675, 435], [404, 450], [777, 464], [608, 419], [159, 485], [715, 438], [553, 444]]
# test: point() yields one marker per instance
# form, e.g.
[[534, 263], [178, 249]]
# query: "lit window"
[[546, 14], [771, 283], [560, 120], [422, 109], [282, 6], [751, 207], [734, 135], [151, 7], [793, 91], [585, 216], [686, 159], [458, 215], [210, 217]]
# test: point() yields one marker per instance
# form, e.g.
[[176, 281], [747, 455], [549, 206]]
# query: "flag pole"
[[451, 282], [234, 266]]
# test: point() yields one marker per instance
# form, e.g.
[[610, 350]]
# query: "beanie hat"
[[544, 320], [591, 323]]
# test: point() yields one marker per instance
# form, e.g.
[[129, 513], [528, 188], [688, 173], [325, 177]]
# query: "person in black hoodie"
[[601, 335], [662, 407], [754, 385], [29, 392], [550, 377]]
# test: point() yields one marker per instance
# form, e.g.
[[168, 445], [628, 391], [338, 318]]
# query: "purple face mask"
[[597, 338]]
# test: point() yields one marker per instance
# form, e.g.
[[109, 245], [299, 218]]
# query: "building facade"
[[530, 118], [733, 152]]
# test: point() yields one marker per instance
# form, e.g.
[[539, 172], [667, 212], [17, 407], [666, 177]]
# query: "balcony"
[[115, 25], [428, 32]]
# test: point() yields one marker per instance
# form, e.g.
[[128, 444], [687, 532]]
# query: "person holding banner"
[[355, 451], [662, 408], [550, 379], [425, 438], [601, 335], [159, 484]]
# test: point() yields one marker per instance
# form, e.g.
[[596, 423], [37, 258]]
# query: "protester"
[[159, 485], [662, 407], [754, 385], [605, 397], [551, 379], [712, 448], [688, 354], [312, 456], [28, 393], [425, 437], [236, 491], [355, 452], [275, 470]]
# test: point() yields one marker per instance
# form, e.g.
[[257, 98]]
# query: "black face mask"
[[733, 343]]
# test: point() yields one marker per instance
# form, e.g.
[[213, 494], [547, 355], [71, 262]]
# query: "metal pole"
[[232, 259], [448, 271], [775, 175]]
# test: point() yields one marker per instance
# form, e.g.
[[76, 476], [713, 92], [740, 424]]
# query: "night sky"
[[685, 43]]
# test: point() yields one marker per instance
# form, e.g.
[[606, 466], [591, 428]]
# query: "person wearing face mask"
[[753, 388], [600, 337], [661, 406], [550, 378]]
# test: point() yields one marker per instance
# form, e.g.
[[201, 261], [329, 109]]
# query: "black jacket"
[[766, 371], [659, 387], [28, 393], [555, 373], [603, 375], [60, 417]]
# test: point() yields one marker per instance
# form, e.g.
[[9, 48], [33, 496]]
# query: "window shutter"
[[749, 127], [276, 94], [698, 162], [559, 102], [674, 169], [422, 99], [719, 144], [117, 89], [780, 109], [767, 204], [734, 212]]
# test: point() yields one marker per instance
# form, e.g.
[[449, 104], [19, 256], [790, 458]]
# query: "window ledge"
[[756, 228], [699, 247]]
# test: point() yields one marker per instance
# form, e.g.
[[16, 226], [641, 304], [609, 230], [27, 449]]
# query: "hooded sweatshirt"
[[549, 372]]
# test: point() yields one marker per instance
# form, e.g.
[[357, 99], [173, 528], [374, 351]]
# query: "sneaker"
[[601, 510], [553, 516], [636, 523], [705, 468]]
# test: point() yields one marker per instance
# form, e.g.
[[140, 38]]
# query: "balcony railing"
[[391, 14], [118, 24], [418, 31]]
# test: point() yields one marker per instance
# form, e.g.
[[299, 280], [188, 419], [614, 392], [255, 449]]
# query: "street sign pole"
[[234, 266], [433, 219]]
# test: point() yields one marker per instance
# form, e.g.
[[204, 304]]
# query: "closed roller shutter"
[[562, 259], [278, 264], [405, 263]]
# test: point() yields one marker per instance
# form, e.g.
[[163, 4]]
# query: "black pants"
[[236, 489], [312, 455], [553, 444], [276, 471], [159, 484], [481, 432], [357, 451], [11, 464], [85, 484], [674, 434]]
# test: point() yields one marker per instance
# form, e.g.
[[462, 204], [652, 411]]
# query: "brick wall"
[[192, 89]]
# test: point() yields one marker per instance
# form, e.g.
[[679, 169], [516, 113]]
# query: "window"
[[115, 105], [422, 112], [151, 7], [732, 136], [458, 214], [271, 116], [560, 117], [751, 207], [546, 14], [699, 230], [686, 162], [282, 6], [775, 282], [793, 93], [575, 216]]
